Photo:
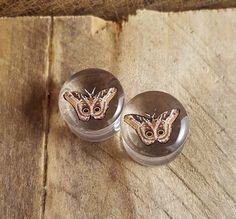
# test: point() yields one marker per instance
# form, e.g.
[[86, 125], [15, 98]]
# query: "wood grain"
[[47, 172], [23, 71], [189, 55], [109, 10]]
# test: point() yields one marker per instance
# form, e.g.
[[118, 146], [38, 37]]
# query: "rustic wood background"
[[107, 9], [47, 172]]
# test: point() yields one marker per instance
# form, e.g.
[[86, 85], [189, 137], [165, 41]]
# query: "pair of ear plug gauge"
[[154, 125]]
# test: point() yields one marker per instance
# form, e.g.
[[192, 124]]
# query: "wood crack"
[[181, 31], [201, 201], [46, 122], [114, 159], [167, 214], [205, 111], [154, 201], [177, 197]]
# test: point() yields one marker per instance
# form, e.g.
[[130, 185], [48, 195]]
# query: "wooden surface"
[[109, 10], [48, 172], [23, 70]]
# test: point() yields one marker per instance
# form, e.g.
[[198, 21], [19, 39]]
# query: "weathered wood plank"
[[110, 10], [189, 55], [23, 75]]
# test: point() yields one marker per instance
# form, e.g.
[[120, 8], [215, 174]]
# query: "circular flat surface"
[[154, 124], [91, 100]]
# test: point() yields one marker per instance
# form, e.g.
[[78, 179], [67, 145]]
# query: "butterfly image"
[[152, 128], [90, 105]]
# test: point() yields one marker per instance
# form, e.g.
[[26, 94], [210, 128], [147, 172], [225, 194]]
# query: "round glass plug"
[[91, 102], [154, 128]]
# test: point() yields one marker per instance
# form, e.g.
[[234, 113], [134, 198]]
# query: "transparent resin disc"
[[91, 102], [154, 127]]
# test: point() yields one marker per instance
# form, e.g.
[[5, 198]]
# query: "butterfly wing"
[[150, 130], [143, 127], [80, 103], [135, 121], [101, 102], [164, 127]]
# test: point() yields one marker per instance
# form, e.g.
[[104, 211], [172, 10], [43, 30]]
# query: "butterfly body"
[[151, 129], [90, 105]]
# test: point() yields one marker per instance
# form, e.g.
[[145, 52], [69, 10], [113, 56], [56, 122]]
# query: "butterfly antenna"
[[93, 91], [90, 95], [98, 95], [84, 97], [150, 116]]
